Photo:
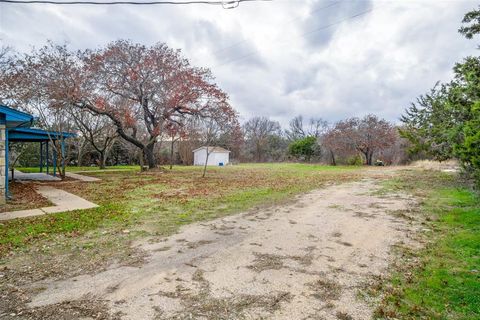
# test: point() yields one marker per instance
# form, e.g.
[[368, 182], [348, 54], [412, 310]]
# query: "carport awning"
[[13, 118], [36, 135]]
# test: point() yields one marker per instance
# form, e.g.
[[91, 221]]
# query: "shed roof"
[[213, 149]]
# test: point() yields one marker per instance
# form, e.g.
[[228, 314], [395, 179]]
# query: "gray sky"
[[280, 58]]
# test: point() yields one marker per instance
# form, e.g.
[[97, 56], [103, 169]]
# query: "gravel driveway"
[[305, 260]]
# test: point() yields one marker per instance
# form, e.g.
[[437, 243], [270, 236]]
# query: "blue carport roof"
[[18, 124], [14, 118], [33, 134]]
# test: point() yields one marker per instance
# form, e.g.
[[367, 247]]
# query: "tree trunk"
[[60, 168], [102, 159], [171, 154], [258, 150], [141, 160], [79, 156], [366, 157], [370, 156], [205, 166], [332, 155], [149, 155]]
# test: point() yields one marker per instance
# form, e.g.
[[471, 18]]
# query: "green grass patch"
[[443, 281], [159, 202], [18, 233]]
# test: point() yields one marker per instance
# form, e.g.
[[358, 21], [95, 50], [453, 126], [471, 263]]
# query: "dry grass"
[[325, 289], [436, 165], [266, 261], [200, 304], [24, 197]]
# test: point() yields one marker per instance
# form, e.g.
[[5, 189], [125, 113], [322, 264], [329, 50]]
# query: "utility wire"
[[236, 44], [303, 34], [223, 3]]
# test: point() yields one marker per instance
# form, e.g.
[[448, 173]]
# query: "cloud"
[[318, 27], [279, 58]]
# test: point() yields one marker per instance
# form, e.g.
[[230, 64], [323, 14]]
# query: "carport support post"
[[41, 156], [3, 168], [6, 165], [54, 163], [46, 155], [63, 155]]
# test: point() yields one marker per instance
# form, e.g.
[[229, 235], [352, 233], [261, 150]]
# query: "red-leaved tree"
[[142, 90], [369, 136], [140, 87]]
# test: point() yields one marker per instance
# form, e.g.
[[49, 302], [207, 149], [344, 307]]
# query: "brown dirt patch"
[[24, 197]]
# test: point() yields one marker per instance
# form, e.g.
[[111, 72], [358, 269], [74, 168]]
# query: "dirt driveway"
[[306, 260]]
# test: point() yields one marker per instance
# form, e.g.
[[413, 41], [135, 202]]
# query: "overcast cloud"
[[280, 58]]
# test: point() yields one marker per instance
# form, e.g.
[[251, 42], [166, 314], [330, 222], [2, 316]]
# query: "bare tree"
[[336, 144], [188, 142], [26, 88], [175, 132], [99, 131], [257, 131], [299, 130], [211, 130], [55, 119], [5, 70]]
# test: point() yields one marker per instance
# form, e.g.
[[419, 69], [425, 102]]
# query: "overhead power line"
[[226, 4], [303, 35], [286, 23]]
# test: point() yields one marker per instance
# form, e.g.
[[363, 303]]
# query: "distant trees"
[[332, 141], [260, 132], [299, 130], [368, 136], [126, 101], [304, 137]]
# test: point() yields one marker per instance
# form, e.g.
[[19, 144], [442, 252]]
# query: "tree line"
[[368, 140], [136, 104]]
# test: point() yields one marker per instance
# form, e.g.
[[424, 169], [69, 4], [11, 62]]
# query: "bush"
[[356, 160], [304, 148]]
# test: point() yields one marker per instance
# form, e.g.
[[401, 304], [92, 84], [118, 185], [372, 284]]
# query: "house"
[[15, 126], [217, 156]]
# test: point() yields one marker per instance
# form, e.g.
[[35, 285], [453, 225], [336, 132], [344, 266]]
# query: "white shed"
[[217, 156]]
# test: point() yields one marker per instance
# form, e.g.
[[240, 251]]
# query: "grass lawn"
[[157, 203], [441, 281]]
